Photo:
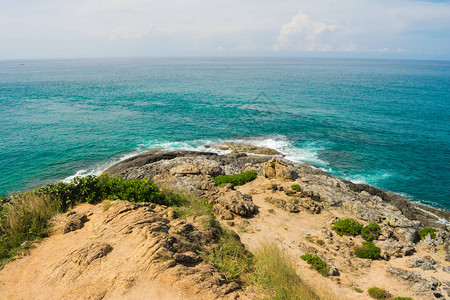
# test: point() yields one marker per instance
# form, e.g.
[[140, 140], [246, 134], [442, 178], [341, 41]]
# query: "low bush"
[[377, 293], [427, 231], [347, 227], [316, 263], [371, 232], [238, 179], [275, 274], [296, 187], [403, 298], [367, 250], [94, 189]]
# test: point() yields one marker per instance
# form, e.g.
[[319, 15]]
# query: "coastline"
[[293, 207], [427, 214]]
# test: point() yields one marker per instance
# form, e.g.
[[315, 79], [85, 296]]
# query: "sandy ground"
[[289, 231]]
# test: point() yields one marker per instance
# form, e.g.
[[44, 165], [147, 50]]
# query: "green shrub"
[[403, 298], [378, 293], [238, 179], [371, 232], [367, 250], [275, 274], [272, 164], [296, 187], [93, 189], [347, 227], [316, 263], [427, 231]]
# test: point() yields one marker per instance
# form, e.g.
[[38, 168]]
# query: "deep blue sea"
[[381, 122]]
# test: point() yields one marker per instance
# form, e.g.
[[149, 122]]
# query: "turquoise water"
[[381, 122]]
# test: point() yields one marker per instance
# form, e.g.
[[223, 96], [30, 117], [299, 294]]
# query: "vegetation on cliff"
[[237, 179], [347, 227]]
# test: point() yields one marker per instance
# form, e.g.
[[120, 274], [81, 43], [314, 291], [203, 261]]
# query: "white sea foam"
[[307, 152], [439, 219], [368, 178]]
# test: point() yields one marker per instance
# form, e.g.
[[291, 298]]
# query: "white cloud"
[[303, 34], [54, 28]]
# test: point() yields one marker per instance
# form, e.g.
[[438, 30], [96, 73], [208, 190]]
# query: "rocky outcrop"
[[248, 148], [186, 171], [425, 286], [277, 169], [229, 202], [68, 222], [289, 206], [133, 240]]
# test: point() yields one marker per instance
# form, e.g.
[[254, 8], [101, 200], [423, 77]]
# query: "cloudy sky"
[[117, 28]]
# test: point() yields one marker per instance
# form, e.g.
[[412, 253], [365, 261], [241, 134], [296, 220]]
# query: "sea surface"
[[381, 122]]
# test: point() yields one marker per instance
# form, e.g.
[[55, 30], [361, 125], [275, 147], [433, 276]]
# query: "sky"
[[407, 29]]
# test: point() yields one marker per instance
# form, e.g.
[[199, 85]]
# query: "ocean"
[[380, 122]]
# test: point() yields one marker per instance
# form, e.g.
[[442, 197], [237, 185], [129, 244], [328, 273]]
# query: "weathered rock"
[[333, 271], [288, 206], [68, 222], [416, 281], [277, 169], [187, 257], [395, 248], [248, 148], [149, 245], [309, 205], [234, 202]]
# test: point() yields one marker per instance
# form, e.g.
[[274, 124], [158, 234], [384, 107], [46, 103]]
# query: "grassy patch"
[[403, 298], [230, 257], [316, 263], [275, 274], [378, 293], [424, 232], [24, 218], [367, 250], [296, 187], [371, 232], [238, 179], [107, 205]]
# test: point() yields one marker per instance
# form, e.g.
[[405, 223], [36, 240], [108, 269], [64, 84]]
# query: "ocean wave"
[[371, 178], [305, 152]]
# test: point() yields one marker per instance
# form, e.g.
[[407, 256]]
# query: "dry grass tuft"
[[25, 218], [275, 274]]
